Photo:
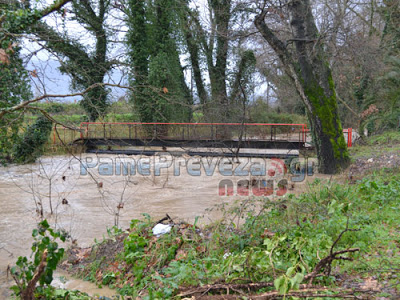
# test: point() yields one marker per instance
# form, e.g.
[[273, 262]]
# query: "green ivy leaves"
[[45, 239]]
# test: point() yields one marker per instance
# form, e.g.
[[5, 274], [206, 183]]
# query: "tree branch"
[[27, 294], [48, 116], [55, 6], [23, 105]]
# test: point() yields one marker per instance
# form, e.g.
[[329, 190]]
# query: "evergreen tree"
[[14, 82], [15, 18], [161, 93]]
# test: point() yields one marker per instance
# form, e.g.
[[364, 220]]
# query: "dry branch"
[[27, 293], [303, 292], [25, 104], [214, 287]]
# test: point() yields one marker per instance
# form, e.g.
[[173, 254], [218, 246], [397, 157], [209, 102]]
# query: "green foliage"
[[387, 138], [50, 293], [56, 108], [281, 244], [259, 112], [161, 94], [387, 91], [31, 145], [45, 239], [384, 91], [14, 81], [391, 35]]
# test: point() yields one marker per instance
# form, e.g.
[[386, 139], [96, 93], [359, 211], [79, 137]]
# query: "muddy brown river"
[[105, 190]]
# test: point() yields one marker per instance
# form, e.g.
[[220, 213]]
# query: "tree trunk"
[[222, 11], [193, 50], [309, 69], [85, 69]]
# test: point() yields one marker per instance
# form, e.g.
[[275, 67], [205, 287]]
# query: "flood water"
[[94, 187]]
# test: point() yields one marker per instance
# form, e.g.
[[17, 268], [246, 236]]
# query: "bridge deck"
[[193, 138], [243, 153], [204, 139], [186, 143]]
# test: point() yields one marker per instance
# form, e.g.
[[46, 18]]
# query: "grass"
[[281, 243], [389, 142]]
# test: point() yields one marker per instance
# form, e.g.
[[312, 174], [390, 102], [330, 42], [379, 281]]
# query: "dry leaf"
[[11, 47], [165, 90], [34, 73], [4, 57]]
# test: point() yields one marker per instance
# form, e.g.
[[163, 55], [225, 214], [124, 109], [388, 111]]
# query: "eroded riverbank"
[[99, 198]]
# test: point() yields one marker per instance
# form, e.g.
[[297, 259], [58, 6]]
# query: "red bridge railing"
[[194, 131], [348, 134], [212, 131]]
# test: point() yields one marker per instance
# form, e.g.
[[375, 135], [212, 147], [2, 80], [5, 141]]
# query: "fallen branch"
[[213, 287], [303, 292], [27, 293], [313, 293], [166, 218], [326, 262]]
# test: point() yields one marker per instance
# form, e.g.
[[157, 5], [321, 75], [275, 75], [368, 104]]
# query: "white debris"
[[161, 229], [371, 160]]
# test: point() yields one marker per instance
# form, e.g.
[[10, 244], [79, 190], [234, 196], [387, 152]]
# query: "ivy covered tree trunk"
[[391, 32], [85, 68], [161, 93], [14, 88], [193, 48], [222, 16], [308, 67], [138, 41], [15, 18], [210, 43]]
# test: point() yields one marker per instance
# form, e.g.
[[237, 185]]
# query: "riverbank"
[[253, 248]]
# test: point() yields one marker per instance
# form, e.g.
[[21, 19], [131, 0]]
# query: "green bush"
[[31, 145], [45, 246], [259, 112], [114, 117]]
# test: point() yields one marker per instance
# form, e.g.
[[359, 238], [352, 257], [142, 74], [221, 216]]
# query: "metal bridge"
[[204, 139]]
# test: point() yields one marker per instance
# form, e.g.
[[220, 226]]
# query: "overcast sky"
[[45, 65]]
